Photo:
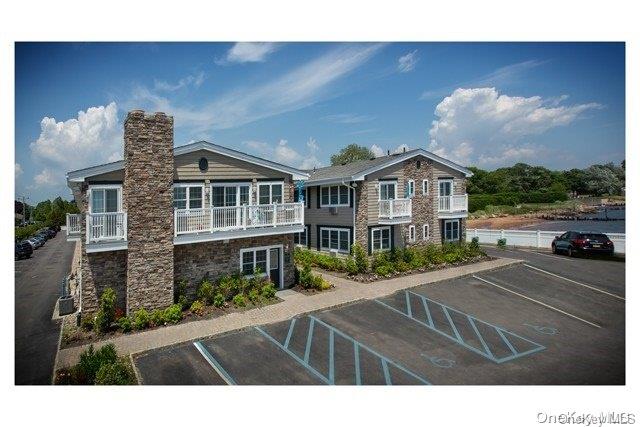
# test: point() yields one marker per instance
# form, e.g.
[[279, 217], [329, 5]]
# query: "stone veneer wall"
[[148, 201], [193, 262], [423, 208], [361, 206]]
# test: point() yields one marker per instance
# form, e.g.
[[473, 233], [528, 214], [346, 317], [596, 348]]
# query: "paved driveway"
[[525, 324], [37, 287]]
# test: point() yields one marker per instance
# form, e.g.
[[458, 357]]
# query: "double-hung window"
[[425, 187], [338, 239], [254, 260], [300, 238], [334, 195], [412, 233], [105, 199], [380, 239], [425, 232], [270, 192], [411, 188], [187, 196]]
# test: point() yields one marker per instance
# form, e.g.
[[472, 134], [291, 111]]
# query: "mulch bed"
[[312, 291], [76, 336]]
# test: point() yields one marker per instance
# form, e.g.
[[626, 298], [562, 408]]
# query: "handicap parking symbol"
[[440, 362], [546, 330]]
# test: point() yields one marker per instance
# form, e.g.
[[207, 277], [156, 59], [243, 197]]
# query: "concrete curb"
[[347, 291]]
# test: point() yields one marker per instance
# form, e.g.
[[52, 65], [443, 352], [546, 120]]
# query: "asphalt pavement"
[[37, 287]]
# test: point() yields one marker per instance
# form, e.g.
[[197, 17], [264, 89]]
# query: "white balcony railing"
[[209, 220], [396, 208], [453, 203], [73, 224], [106, 226]]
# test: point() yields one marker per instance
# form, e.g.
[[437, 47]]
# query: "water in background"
[[596, 226]]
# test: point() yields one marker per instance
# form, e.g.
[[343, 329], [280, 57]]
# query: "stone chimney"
[[148, 201]]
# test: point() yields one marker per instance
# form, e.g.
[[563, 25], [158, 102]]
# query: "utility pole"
[[24, 210]]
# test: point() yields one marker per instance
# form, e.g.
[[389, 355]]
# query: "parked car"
[[35, 242], [23, 250], [573, 242]]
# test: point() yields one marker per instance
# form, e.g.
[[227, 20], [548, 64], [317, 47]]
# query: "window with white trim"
[[334, 195], [270, 192], [186, 196], [387, 190], [105, 199], [380, 239], [411, 188], [230, 194], [425, 232], [300, 238], [338, 239], [451, 230], [253, 260], [412, 233], [425, 187]]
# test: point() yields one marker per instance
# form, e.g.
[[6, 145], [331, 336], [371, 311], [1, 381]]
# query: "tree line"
[[50, 212]]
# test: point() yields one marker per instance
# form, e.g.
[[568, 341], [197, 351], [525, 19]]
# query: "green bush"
[[180, 291], [173, 313], [268, 291], [384, 270], [197, 308], [502, 243], [107, 312], [118, 373], [91, 361], [27, 231], [205, 292], [360, 257], [239, 300], [86, 323], [481, 201], [254, 296], [230, 286], [218, 300], [157, 317], [141, 319], [125, 324], [318, 259], [351, 266]]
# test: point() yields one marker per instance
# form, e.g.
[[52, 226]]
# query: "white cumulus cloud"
[[248, 52], [194, 80], [481, 125], [94, 137], [379, 151], [408, 62], [18, 170], [282, 152]]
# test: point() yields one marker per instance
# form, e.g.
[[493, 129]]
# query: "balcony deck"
[[394, 211], [453, 206]]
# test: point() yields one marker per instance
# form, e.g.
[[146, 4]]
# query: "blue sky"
[[559, 105]]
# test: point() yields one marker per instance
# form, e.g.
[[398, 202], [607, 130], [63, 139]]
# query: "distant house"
[[398, 200]]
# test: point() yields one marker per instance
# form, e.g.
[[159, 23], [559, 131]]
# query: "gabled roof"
[[357, 171], [81, 174]]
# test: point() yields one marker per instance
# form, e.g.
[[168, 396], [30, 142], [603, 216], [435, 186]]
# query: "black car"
[[573, 242], [23, 250]]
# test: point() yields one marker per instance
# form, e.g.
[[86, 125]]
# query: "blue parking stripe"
[[357, 347], [486, 350], [214, 363]]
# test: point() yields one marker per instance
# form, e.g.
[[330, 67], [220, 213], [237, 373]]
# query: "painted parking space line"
[[214, 363], [557, 257], [358, 350], [593, 288], [485, 350], [538, 302]]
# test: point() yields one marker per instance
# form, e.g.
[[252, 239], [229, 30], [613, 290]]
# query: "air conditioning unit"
[[333, 210], [333, 253]]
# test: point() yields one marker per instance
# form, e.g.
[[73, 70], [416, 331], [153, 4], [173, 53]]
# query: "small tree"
[[360, 257], [351, 153]]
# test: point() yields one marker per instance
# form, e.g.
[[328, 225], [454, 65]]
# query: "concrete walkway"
[[294, 304]]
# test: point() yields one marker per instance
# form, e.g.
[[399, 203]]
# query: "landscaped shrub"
[[86, 323], [173, 313], [91, 361], [317, 259], [157, 317], [502, 243], [125, 324], [218, 300], [351, 266], [475, 243], [239, 300], [268, 291], [254, 296], [308, 280], [98, 367], [384, 270], [117, 373], [141, 319], [107, 312], [231, 286], [360, 258], [205, 292], [197, 308]]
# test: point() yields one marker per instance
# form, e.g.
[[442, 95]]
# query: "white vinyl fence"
[[531, 238]]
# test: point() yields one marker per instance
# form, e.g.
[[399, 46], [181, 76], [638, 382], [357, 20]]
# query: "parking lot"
[[550, 320]]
